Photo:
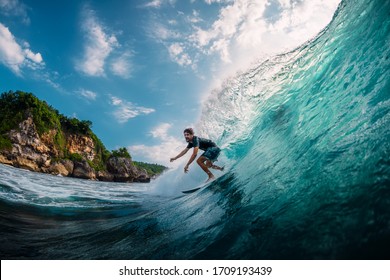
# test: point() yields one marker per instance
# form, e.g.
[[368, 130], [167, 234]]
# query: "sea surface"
[[306, 149]]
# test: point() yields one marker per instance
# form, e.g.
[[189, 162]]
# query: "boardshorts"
[[212, 153]]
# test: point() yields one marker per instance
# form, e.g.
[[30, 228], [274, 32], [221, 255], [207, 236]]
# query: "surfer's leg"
[[202, 163], [210, 164], [217, 167], [211, 155]]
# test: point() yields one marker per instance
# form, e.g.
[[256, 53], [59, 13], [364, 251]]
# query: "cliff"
[[34, 136]]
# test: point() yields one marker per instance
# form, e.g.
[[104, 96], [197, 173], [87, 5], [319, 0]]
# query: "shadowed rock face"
[[122, 169], [40, 153], [83, 170]]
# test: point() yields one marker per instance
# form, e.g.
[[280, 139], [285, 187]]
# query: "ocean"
[[305, 143]]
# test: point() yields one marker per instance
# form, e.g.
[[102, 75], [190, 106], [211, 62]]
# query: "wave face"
[[305, 137]]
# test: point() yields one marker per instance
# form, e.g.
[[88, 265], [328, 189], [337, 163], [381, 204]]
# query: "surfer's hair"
[[189, 130]]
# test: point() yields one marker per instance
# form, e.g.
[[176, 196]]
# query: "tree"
[[122, 152]]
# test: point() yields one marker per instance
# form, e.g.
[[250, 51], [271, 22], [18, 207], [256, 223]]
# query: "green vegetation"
[[122, 152], [18, 106], [151, 169], [75, 157], [73, 125], [5, 143]]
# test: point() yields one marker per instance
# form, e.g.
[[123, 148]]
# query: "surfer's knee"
[[200, 160]]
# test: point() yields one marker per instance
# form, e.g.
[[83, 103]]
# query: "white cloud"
[[98, 46], [115, 101], [217, 1], [156, 4], [161, 131], [195, 17], [122, 66], [177, 54], [243, 30], [160, 32], [153, 4], [35, 57], [14, 56], [233, 21], [125, 110], [87, 94], [14, 8], [159, 153]]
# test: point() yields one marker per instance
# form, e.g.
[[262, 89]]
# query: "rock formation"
[[40, 153]]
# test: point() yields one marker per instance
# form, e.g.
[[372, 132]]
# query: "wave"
[[305, 139]]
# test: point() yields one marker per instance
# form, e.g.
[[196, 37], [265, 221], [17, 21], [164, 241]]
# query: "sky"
[[140, 70]]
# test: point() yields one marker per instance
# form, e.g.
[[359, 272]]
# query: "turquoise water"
[[305, 136]]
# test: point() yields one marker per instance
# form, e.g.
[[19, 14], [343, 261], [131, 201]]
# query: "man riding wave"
[[207, 159]]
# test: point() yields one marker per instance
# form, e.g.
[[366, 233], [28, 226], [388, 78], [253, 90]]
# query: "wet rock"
[[63, 167], [122, 169], [104, 176], [83, 170]]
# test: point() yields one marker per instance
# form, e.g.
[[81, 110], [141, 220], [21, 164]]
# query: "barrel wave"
[[305, 138]]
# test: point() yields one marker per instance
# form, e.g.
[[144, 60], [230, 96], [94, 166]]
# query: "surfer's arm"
[[182, 153], [192, 158]]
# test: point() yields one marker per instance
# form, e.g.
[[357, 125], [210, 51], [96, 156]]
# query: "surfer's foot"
[[211, 177]]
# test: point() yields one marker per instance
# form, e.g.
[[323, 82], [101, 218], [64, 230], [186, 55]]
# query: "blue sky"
[[140, 70]]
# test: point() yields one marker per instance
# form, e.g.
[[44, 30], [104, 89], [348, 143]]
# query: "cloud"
[[47, 77], [217, 1], [98, 45], [158, 153], [161, 33], [161, 131], [246, 29], [14, 8], [122, 66], [87, 94], [154, 4], [125, 110], [172, 22], [177, 54], [35, 57], [242, 32], [102, 51], [233, 21], [195, 17], [14, 56]]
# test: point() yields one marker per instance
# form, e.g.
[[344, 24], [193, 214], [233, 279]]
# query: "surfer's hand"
[[172, 159], [186, 169]]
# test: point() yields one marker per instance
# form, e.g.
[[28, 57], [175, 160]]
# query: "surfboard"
[[195, 189], [192, 190]]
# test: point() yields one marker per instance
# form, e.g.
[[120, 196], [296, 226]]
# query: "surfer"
[[207, 159]]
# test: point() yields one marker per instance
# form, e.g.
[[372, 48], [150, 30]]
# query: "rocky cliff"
[[59, 149], [39, 153]]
